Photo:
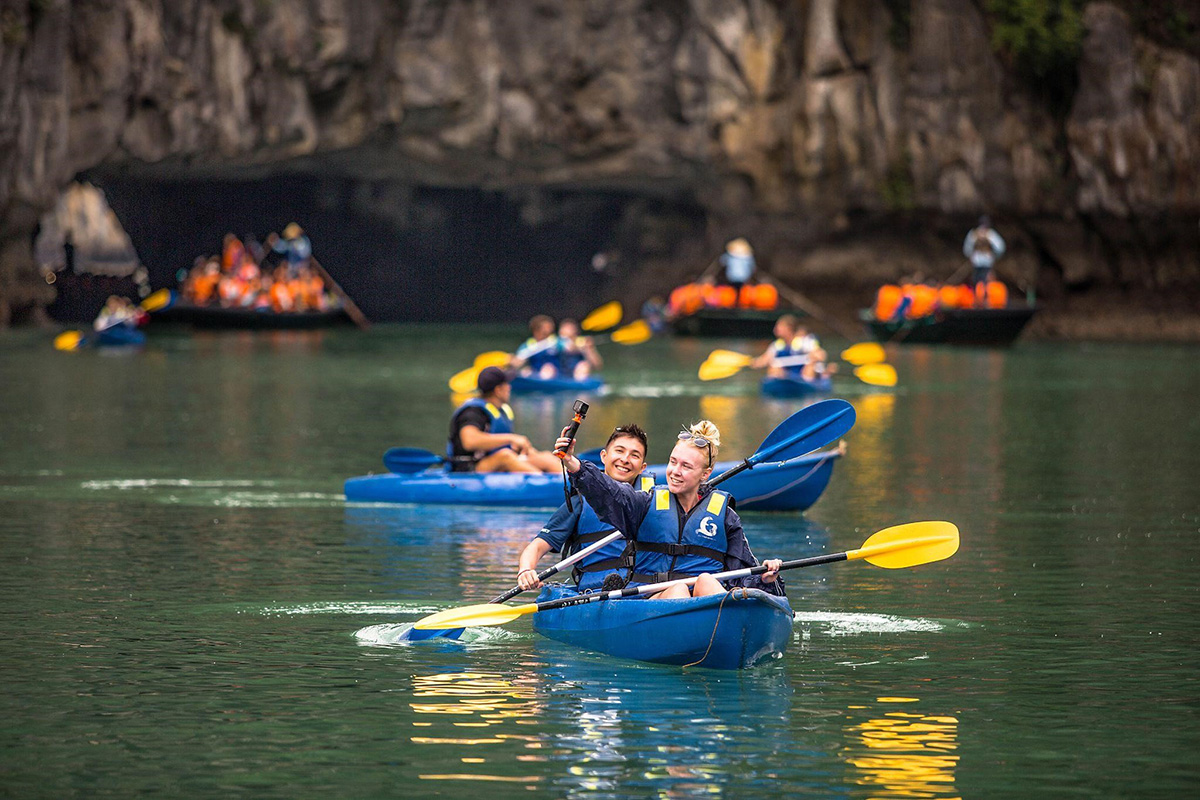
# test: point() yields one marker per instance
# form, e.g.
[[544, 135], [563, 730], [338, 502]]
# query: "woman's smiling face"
[[687, 468]]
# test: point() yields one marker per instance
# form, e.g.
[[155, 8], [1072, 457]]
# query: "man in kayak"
[[795, 353], [684, 530], [577, 355], [539, 354], [575, 526], [482, 437]]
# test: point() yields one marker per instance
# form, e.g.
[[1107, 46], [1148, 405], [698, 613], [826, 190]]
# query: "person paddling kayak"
[[686, 529], [482, 437], [575, 526]]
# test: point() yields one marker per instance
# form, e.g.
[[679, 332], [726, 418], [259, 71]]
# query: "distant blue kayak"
[[771, 486], [728, 631], [118, 336], [795, 387], [528, 384]]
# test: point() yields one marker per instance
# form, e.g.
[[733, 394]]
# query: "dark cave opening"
[[418, 253]]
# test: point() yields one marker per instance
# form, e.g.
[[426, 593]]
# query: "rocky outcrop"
[[808, 125]]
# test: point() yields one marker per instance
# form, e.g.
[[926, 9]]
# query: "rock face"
[[808, 126]]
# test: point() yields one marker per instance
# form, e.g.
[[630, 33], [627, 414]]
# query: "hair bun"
[[709, 430]]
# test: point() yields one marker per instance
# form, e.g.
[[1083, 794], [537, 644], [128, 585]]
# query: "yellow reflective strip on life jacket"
[[662, 500], [716, 503], [491, 409], [647, 483], [507, 409]]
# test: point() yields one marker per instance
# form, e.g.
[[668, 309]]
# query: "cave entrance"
[[419, 253]]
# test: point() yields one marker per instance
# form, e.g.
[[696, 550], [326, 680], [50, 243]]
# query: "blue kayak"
[[771, 486], [728, 631], [795, 387], [119, 336], [529, 384]]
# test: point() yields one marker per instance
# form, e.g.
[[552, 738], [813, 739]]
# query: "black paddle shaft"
[[632, 591]]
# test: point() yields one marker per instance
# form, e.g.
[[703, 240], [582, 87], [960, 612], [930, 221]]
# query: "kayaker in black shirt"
[[482, 437], [686, 529]]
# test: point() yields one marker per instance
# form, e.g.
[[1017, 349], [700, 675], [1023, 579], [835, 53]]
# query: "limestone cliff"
[[845, 152]]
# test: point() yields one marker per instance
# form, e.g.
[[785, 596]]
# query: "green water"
[[191, 610]]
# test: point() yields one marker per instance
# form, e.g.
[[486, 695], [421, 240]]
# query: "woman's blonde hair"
[[708, 430]]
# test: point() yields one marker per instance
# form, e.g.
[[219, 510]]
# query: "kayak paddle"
[[415, 634], [897, 547], [73, 340], [605, 317], [810, 428], [868, 355]]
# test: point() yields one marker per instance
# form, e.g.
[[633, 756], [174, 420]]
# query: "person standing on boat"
[[738, 260], [482, 437], [983, 246], [575, 525], [539, 354], [577, 356], [294, 246], [683, 530]]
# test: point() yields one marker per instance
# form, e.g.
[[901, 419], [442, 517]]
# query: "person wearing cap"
[[294, 246], [738, 260], [983, 246], [482, 437], [576, 525]]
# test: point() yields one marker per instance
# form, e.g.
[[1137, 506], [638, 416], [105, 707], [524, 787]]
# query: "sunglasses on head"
[[694, 438]]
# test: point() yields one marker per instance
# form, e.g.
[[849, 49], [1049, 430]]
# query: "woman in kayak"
[[575, 525], [684, 530]]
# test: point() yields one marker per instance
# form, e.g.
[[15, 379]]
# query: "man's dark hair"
[[632, 430]]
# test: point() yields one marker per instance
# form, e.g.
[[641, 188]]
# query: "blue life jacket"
[[615, 557], [568, 359], [500, 420], [670, 545], [547, 352]]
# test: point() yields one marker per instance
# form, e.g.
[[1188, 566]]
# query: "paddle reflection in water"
[[897, 753]]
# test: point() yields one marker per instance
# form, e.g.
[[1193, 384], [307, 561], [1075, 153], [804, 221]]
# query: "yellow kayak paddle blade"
[[909, 545], [605, 317], [864, 353], [466, 381], [474, 616], [876, 374], [492, 358], [633, 333], [157, 301], [68, 340], [716, 370], [730, 357]]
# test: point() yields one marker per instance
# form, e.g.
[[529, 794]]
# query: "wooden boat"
[[729, 631], [970, 326], [795, 386], [732, 323], [771, 486], [530, 384], [218, 317]]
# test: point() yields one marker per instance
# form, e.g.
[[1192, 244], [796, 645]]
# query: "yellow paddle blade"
[[605, 317], [633, 333], [730, 357], [474, 616], [68, 340], [876, 374], [492, 358], [157, 301], [466, 381], [716, 370], [909, 545], [864, 353]]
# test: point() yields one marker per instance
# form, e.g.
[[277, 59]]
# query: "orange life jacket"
[[887, 300]]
